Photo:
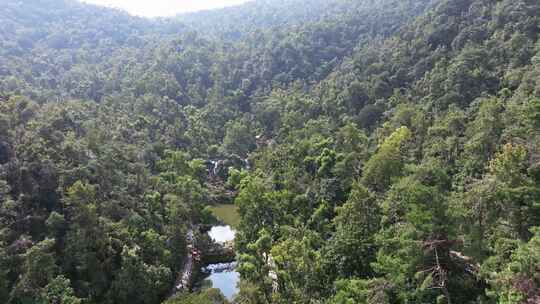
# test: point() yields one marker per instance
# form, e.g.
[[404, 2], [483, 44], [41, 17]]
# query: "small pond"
[[223, 276], [226, 213], [221, 234]]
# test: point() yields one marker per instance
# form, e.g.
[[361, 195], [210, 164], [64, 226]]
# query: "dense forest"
[[393, 150]]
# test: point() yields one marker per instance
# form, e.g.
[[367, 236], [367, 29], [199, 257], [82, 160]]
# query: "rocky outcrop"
[[220, 253]]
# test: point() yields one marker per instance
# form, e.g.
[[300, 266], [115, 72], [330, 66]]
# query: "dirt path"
[[183, 283]]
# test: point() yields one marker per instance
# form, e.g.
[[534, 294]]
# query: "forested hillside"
[[378, 151], [278, 15]]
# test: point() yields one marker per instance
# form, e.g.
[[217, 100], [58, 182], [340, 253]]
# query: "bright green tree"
[[59, 291], [387, 163]]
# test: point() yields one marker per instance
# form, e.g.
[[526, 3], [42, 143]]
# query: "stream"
[[223, 276]]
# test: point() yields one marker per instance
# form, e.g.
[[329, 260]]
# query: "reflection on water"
[[224, 278], [221, 234]]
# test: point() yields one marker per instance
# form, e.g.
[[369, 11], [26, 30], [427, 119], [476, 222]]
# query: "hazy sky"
[[155, 8]]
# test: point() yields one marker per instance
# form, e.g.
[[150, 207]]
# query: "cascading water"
[[215, 168]]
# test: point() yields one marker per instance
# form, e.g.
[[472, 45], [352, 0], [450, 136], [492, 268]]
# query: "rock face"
[[219, 169], [218, 173], [220, 267], [220, 253]]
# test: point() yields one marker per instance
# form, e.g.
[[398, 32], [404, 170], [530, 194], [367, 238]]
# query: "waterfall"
[[214, 167]]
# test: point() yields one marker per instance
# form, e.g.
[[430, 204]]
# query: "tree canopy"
[[377, 151]]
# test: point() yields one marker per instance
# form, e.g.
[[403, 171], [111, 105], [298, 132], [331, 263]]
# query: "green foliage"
[[4, 282], [362, 292], [235, 178], [377, 151], [514, 275], [239, 139], [483, 135], [59, 291], [369, 116], [352, 248], [138, 282], [208, 296], [388, 162], [38, 270]]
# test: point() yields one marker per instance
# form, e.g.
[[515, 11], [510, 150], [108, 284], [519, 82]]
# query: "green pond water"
[[227, 213]]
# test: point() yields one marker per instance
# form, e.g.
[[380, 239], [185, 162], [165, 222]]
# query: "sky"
[[164, 8]]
